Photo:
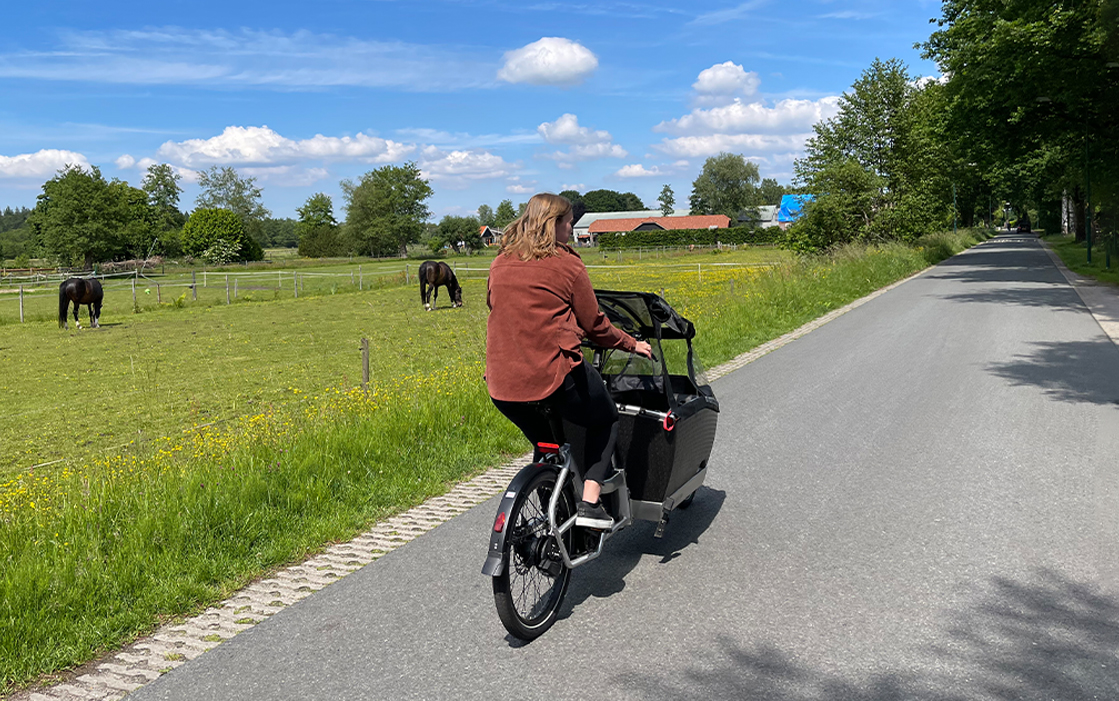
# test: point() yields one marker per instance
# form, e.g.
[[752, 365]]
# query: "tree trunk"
[[1078, 214]]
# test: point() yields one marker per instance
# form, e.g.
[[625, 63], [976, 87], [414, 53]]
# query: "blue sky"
[[493, 99]]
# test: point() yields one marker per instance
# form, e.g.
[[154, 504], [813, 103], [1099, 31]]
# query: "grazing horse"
[[80, 291], [432, 275]]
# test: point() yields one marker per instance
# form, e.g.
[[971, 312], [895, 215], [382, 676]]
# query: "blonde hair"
[[532, 235]]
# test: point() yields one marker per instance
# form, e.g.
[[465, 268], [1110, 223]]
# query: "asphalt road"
[[919, 500]]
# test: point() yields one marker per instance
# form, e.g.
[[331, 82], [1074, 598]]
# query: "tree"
[[571, 196], [770, 193], [280, 232], [218, 236], [161, 185], [77, 217], [726, 185], [667, 200], [453, 229], [317, 229], [222, 188], [505, 214], [612, 201], [486, 215], [386, 209], [1041, 121]]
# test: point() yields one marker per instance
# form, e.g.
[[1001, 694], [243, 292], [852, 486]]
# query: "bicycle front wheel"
[[531, 587]]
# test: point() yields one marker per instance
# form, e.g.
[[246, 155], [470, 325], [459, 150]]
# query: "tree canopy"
[[386, 209], [223, 188], [726, 185], [317, 230]]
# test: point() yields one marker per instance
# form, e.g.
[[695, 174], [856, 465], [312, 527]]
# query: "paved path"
[[917, 500]]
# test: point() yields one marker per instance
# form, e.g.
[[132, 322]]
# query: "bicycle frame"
[[615, 485]]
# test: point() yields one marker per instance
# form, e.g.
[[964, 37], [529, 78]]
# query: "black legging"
[[582, 400]]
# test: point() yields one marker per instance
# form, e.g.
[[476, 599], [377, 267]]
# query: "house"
[[791, 208], [490, 236], [762, 217], [582, 235], [706, 221]]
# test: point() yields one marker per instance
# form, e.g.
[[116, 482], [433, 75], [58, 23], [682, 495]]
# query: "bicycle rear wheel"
[[531, 587]]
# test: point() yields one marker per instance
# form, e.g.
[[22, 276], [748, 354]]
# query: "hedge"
[[684, 237]]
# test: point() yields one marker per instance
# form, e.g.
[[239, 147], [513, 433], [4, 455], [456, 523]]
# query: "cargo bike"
[[667, 420]]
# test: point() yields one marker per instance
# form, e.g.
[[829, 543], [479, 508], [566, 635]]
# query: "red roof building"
[[707, 221]]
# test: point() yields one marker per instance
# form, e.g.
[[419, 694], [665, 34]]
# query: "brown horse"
[[80, 291], [432, 276]]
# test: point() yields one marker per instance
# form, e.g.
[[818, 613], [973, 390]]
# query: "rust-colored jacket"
[[539, 312]]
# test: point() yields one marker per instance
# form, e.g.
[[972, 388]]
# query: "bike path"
[[917, 500]]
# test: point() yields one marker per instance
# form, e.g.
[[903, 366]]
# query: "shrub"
[[612, 241], [206, 227]]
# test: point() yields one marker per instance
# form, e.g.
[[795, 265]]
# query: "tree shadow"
[[1048, 638], [1067, 371], [1060, 298]]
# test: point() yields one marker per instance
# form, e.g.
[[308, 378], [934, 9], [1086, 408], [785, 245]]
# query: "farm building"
[[762, 217], [706, 221], [490, 236], [582, 235]]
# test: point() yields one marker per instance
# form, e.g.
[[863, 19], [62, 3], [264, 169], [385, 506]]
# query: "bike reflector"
[[669, 422], [499, 522], [550, 448]]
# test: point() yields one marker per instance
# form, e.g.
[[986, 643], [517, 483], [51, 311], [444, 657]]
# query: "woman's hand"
[[643, 348]]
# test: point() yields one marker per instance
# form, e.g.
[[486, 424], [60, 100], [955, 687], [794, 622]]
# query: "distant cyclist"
[[542, 305]]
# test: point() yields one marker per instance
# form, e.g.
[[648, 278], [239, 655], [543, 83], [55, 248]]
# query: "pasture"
[[194, 447]]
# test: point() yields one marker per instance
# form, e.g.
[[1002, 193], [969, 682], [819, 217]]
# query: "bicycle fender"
[[495, 557]]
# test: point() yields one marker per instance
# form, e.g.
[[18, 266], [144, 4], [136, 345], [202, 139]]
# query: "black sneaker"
[[592, 515]]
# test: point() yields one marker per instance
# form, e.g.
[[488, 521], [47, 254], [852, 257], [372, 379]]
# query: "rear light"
[[550, 448], [669, 421], [499, 523]]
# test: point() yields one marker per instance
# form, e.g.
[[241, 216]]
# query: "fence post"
[[279, 280], [133, 295], [351, 277], [365, 365], [158, 294], [407, 275], [360, 279], [21, 304], [234, 288], [205, 279], [295, 283], [227, 288], [193, 286], [699, 272]]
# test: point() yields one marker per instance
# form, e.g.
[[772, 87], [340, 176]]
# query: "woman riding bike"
[[542, 305]]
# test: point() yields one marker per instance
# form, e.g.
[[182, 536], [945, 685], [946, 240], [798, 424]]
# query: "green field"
[[192, 449]]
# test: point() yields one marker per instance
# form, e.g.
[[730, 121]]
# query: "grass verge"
[[98, 554], [1075, 257]]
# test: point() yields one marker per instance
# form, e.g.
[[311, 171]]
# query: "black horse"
[[432, 275], [80, 291]]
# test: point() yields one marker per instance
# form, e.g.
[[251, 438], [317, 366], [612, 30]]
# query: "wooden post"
[[365, 364], [295, 283], [205, 279], [234, 288], [407, 275], [21, 304], [133, 295], [227, 301], [158, 293], [193, 286], [360, 279], [279, 280], [699, 272]]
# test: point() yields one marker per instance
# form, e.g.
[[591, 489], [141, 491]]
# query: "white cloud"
[[288, 176], [549, 61], [702, 146], [578, 187], [637, 170], [739, 117], [261, 145], [723, 82], [728, 15], [586, 144], [518, 189], [457, 169], [125, 162], [41, 164]]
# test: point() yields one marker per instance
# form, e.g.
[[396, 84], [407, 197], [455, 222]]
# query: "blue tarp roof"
[[791, 206]]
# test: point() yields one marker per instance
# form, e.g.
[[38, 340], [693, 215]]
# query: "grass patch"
[[100, 548], [1075, 257]]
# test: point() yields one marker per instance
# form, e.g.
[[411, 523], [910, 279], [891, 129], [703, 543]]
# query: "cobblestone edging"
[[174, 644]]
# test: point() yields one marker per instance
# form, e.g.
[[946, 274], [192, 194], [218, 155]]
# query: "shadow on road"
[[1060, 298], [1047, 638], [606, 575], [1078, 371]]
